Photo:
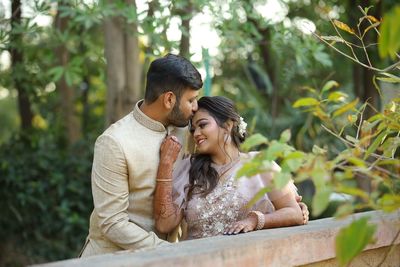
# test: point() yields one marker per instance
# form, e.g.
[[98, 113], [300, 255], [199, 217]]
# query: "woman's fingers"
[[306, 213], [240, 226]]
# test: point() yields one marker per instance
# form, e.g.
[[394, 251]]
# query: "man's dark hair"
[[171, 73]]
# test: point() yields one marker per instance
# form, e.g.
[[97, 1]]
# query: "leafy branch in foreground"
[[370, 151]]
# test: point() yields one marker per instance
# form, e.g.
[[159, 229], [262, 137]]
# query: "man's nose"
[[195, 107]]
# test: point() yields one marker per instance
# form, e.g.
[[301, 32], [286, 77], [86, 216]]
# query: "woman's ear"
[[169, 100], [229, 125]]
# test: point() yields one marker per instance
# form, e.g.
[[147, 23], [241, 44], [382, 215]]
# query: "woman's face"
[[207, 134]]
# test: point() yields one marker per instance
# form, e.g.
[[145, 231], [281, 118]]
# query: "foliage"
[[46, 197], [369, 153]]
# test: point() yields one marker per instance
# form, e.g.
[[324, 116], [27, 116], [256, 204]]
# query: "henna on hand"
[[163, 204], [164, 207]]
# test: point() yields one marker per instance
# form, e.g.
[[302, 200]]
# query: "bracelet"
[[260, 219], [163, 180]]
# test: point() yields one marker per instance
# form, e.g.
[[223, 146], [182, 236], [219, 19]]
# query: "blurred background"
[[68, 69]]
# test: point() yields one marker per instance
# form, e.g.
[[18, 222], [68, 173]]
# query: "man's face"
[[184, 108]]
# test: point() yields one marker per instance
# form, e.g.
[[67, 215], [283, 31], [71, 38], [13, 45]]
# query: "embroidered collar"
[[146, 121]]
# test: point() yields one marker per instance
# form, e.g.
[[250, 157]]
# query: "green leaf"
[[389, 41], [351, 240], [389, 202], [304, 102], [352, 191], [389, 80], [356, 162], [345, 108], [281, 179], [257, 196], [337, 97], [329, 85], [285, 136], [333, 38], [344, 210], [320, 201], [253, 141], [293, 161], [317, 150], [250, 168], [56, 73], [343, 26], [276, 150], [378, 140]]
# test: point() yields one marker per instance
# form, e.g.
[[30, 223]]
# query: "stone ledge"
[[290, 246]]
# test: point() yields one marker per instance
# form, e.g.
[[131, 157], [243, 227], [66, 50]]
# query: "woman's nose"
[[196, 132]]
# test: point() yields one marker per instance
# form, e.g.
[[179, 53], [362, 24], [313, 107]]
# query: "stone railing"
[[308, 245]]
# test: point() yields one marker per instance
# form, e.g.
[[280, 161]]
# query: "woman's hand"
[[169, 150], [304, 209], [246, 225]]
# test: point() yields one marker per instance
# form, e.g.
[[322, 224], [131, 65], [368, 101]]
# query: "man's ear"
[[169, 100]]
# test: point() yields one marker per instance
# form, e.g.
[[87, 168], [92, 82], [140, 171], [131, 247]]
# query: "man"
[[126, 158]]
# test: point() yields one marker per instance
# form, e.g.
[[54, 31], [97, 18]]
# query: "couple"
[[135, 205]]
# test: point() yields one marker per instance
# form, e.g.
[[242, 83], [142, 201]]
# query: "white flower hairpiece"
[[242, 127]]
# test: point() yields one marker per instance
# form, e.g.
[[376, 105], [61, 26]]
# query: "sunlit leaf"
[[285, 136], [281, 179], [253, 141], [389, 41], [378, 140], [344, 210], [374, 25], [249, 169], [329, 85], [343, 26], [345, 108], [317, 150], [337, 96], [258, 196], [352, 239], [389, 80], [352, 191], [304, 102], [352, 118], [389, 202], [320, 201], [333, 38]]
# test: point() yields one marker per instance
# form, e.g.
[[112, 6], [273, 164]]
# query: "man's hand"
[[304, 209]]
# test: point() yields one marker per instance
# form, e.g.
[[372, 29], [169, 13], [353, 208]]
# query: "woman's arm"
[[287, 213], [167, 214]]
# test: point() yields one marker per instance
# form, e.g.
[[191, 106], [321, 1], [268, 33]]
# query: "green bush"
[[46, 197]]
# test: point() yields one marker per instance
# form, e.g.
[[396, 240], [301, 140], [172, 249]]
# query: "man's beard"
[[177, 118]]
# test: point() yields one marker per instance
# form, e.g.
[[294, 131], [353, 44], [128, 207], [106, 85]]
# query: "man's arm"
[[110, 189]]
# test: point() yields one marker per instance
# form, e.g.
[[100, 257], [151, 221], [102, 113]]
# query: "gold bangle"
[[260, 219], [163, 180]]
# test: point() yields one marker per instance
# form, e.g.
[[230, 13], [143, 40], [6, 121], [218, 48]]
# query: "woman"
[[204, 190]]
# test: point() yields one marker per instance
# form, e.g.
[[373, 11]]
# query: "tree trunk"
[[123, 66], [70, 120], [186, 16], [24, 104]]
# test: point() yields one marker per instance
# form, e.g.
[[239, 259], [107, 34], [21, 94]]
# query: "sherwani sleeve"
[[110, 189]]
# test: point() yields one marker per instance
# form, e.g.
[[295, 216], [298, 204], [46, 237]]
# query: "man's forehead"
[[190, 93]]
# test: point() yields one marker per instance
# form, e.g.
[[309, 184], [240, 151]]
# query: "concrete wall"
[[308, 245]]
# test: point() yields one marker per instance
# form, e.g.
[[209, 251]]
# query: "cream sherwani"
[[125, 163]]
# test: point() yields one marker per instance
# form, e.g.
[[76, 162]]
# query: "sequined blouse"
[[227, 203]]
